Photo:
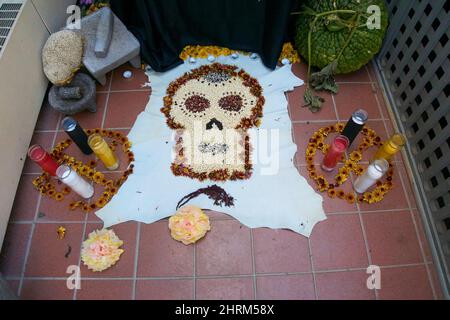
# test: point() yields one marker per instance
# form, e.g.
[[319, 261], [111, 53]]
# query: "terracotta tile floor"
[[232, 262]]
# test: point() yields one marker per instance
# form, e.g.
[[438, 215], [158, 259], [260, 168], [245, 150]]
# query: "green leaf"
[[314, 103], [324, 79]]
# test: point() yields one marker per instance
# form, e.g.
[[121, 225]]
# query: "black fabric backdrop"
[[164, 27]]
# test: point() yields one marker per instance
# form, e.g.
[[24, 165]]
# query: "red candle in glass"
[[334, 154], [43, 159]]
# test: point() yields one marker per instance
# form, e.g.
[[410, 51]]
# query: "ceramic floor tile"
[[226, 250], [160, 255], [280, 251], [45, 290], [350, 285], [407, 283], [105, 290], [138, 79], [338, 243], [296, 287], [392, 239], [124, 107], [48, 117], [12, 255], [25, 202], [225, 289], [164, 290], [92, 120], [47, 257], [355, 96]]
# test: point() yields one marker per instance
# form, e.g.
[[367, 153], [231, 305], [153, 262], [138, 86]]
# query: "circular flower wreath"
[[317, 142], [44, 185]]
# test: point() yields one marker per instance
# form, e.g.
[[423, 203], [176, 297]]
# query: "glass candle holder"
[[334, 154], [70, 178], [43, 159], [77, 134], [355, 124], [373, 173], [390, 147], [103, 152]]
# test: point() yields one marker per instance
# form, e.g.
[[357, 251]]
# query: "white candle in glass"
[[373, 173], [69, 177]]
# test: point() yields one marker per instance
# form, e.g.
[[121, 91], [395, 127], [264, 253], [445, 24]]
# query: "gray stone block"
[[104, 33], [124, 46]]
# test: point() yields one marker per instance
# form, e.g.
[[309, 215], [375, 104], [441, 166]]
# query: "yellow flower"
[[101, 250], [98, 177], [355, 156], [100, 203], [59, 197], [61, 231], [332, 193], [189, 224]]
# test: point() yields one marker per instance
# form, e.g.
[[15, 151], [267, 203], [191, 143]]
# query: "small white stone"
[[254, 56], [192, 60], [211, 58], [127, 74], [285, 61], [234, 55]]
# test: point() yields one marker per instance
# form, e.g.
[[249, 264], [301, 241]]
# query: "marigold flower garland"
[[317, 142], [44, 185], [202, 52]]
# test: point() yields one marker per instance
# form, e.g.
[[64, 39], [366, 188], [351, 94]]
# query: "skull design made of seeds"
[[211, 108]]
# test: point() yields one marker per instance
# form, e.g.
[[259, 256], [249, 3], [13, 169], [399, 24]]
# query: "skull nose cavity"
[[213, 121]]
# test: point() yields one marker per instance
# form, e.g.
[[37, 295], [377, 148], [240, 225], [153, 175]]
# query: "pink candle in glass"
[[43, 159], [334, 154]]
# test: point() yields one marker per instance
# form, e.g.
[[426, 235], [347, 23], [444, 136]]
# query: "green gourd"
[[338, 32]]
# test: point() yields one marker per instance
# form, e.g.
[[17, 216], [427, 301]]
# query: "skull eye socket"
[[196, 103], [232, 102]]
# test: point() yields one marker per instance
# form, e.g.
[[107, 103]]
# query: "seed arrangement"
[[221, 101], [317, 142], [46, 187]]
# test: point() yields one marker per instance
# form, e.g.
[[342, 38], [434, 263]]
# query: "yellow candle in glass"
[[103, 152], [390, 147]]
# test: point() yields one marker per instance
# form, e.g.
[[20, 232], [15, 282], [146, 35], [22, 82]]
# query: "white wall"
[[22, 90]]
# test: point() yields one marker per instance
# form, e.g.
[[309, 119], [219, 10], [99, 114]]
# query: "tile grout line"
[[409, 203], [267, 274], [33, 226], [313, 272], [107, 100], [195, 271], [366, 241], [136, 260], [83, 235], [309, 241], [253, 263]]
